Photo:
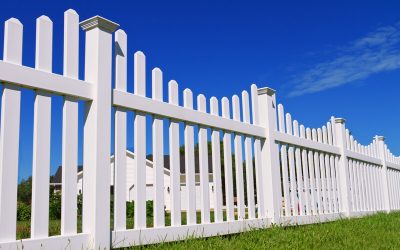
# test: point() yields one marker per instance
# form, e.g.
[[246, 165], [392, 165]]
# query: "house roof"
[[57, 178]]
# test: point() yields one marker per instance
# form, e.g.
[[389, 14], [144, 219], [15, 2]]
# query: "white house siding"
[[130, 161]]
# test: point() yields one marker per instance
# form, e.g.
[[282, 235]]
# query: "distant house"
[[130, 187]]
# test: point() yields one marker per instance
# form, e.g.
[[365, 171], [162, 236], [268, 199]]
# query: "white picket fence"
[[282, 172]]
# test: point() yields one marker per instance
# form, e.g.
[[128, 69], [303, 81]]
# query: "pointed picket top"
[[157, 84], [254, 105], [71, 44], [140, 73], [121, 43], [44, 43], [296, 128], [289, 124], [319, 135], [324, 135], [314, 134], [173, 94], [236, 108], [214, 106], [330, 134], [308, 134], [188, 98], [13, 33], [225, 108], [201, 103], [281, 118], [302, 131], [246, 107]]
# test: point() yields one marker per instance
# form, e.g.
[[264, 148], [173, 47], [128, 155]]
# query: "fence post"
[[340, 129], [270, 155], [385, 188], [97, 131]]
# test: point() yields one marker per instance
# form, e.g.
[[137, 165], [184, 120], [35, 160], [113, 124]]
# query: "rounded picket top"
[[13, 34], [71, 12], [157, 70], [13, 21], [140, 59], [173, 84], [214, 106], [245, 93], [120, 34], [254, 87], [225, 108], [188, 98], [201, 103], [44, 19]]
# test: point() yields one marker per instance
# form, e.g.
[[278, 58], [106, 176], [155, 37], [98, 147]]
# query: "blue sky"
[[324, 58]]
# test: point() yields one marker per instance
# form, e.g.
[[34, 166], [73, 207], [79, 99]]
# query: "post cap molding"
[[266, 90], [99, 22], [340, 120], [380, 138]]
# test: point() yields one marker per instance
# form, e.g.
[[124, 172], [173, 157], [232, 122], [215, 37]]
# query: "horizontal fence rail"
[[215, 167]]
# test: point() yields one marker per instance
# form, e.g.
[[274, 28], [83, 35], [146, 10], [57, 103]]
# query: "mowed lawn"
[[379, 231]]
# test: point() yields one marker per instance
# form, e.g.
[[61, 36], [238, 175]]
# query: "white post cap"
[[99, 22], [340, 120], [266, 90]]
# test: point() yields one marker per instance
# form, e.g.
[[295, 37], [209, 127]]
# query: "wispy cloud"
[[378, 51]]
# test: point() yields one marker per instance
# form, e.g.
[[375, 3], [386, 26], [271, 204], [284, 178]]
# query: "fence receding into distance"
[[266, 167]]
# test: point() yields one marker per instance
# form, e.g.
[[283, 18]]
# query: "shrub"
[[23, 211], [149, 208], [130, 209], [55, 206]]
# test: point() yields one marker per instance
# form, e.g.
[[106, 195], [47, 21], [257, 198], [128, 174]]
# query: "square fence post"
[[384, 179], [344, 178], [97, 131], [270, 155]]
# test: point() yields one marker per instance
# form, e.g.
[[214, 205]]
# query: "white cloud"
[[378, 51]]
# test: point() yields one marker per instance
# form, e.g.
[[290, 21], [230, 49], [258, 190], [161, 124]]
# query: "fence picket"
[[120, 185], [305, 173], [203, 165], [248, 159], [292, 171], [216, 163], [41, 133], [189, 162], [238, 161], [9, 137], [299, 173], [327, 172], [175, 171], [257, 154], [284, 160], [158, 152], [312, 175], [324, 172], [230, 210], [139, 143], [70, 127]]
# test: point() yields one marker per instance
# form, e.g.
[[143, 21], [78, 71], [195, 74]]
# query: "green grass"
[[380, 231]]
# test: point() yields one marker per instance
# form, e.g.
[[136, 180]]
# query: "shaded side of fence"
[[266, 167]]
